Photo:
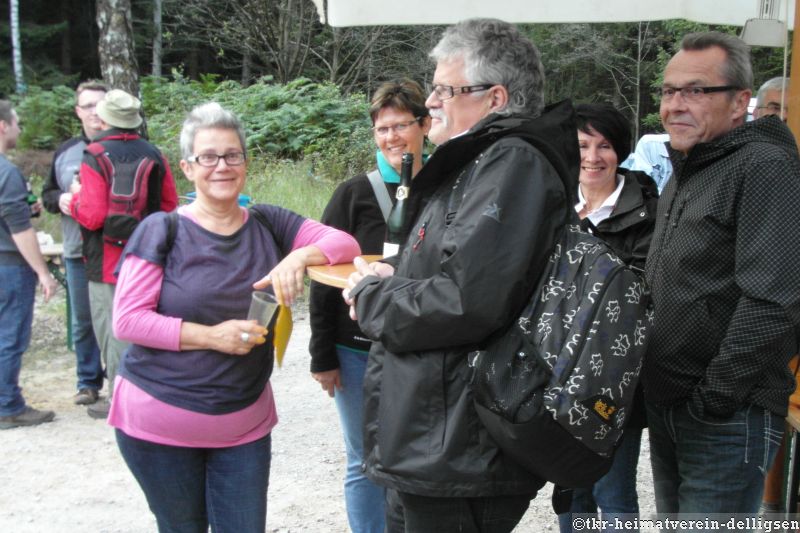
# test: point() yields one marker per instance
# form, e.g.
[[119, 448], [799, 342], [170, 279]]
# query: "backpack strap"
[[98, 151], [153, 173], [172, 224], [381, 193], [172, 228], [261, 218]]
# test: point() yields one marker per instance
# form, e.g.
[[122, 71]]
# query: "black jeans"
[[410, 513]]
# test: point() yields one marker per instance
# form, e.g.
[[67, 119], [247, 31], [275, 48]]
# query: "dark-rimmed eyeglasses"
[[232, 159], [400, 127], [446, 92], [693, 94]]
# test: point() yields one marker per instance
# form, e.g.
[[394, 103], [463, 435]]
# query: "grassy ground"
[[289, 184]]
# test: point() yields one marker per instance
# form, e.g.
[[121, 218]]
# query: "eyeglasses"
[[446, 92], [773, 107], [400, 127], [88, 107], [232, 159], [693, 94]]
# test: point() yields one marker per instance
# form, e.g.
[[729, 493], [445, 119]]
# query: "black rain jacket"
[[487, 209], [723, 273]]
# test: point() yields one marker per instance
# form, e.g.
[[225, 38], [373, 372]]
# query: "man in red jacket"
[[118, 165]]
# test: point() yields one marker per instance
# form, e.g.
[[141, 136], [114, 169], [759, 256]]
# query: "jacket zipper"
[[420, 235]]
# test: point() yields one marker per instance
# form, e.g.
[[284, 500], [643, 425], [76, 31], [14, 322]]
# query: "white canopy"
[[440, 12], [403, 12]]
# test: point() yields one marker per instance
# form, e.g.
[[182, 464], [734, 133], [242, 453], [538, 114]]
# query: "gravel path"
[[68, 476]]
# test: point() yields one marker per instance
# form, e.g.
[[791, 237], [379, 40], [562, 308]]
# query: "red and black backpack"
[[134, 191]]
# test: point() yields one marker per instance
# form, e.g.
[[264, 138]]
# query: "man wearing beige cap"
[[123, 178]]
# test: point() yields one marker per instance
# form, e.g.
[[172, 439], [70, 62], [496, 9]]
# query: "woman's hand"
[[233, 337], [330, 380], [287, 276]]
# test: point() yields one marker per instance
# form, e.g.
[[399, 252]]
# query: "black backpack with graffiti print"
[[554, 389]]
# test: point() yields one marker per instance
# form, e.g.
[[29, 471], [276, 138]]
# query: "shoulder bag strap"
[[262, 219], [172, 224], [172, 228], [381, 193]]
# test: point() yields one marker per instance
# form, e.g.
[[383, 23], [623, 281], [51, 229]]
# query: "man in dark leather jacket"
[[486, 212]]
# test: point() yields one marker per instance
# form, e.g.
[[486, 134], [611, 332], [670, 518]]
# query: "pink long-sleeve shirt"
[[135, 319]]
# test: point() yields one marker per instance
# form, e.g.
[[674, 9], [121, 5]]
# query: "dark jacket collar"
[[553, 133], [638, 188], [769, 129]]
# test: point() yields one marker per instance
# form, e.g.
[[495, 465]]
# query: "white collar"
[[606, 208]]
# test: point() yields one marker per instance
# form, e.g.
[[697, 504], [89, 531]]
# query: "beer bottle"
[[31, 199]]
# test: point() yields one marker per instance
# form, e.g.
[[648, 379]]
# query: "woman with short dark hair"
[[338, 347], [619, 206]]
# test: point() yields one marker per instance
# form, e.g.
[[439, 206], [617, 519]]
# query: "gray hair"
[[6, 111], [738, 70], [496, 52], [775, 84], [206, 116]]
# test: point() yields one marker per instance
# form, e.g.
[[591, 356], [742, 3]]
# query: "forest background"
[[301, 87]]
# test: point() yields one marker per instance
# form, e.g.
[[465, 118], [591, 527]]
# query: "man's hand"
[[36, 208], [363, 269], [49, 285], [64, 201]]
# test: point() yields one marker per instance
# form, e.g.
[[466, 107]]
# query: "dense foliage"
[[253, 42], [47, 117], [300, 86], [297, 120]]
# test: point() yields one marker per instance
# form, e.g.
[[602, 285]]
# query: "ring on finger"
[[245, 336]]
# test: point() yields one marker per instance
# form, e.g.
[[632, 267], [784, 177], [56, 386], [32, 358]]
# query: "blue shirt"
[[652, 158], [15, 213]]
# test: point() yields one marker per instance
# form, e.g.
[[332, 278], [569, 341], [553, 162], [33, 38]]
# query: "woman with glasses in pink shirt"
[[193, 407]]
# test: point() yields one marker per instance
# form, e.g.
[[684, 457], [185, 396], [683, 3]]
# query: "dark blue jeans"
[[17, 294], [614, 495], [189, 489], [703, 464], [89, 365], [410, 513]]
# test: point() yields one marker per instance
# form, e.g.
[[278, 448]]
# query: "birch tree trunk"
[[157, 38], [16, 49], [115, 45]]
